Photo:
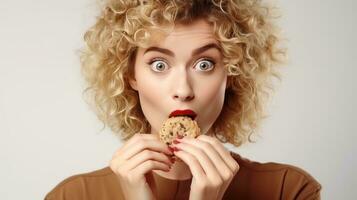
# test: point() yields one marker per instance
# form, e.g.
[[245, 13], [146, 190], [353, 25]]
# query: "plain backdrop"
[[48, 133]]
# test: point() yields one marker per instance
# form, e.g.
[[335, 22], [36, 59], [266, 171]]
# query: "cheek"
[[151, 101], [149, 91], [211, 100], [212, 92]]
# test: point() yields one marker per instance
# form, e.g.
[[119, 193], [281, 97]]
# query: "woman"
[[214, 59]]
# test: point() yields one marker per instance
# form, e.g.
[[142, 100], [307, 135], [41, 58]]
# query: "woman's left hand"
[[211, 165]]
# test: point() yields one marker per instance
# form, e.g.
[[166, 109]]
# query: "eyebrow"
[[195, 52]]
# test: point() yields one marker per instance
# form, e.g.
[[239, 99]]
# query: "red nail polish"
[[176, 149], [171, 149], [176, 142]]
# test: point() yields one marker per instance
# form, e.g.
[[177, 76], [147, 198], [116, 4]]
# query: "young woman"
[[214, 59]]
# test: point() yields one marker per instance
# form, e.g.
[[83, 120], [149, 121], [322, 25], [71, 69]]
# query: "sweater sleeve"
[[310, 192], [72, 188], [300, 185], [100, 184]]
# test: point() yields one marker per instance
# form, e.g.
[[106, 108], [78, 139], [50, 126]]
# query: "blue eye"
[[158, 65], [205, 65]]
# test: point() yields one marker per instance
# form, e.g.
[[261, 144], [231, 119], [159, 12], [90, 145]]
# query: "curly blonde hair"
[[243, 28]]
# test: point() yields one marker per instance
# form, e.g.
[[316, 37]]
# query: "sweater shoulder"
[[73, 186], [255, 166], [286, 180]]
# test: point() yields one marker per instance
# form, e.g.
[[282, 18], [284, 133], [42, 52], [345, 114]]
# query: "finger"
[[202, 158], [192, 163], [135, 139], [222, 151], [221, 167], [146, 144], [225, 172], [148, 166], [147, 155]]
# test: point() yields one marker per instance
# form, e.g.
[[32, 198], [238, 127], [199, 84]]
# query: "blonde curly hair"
[[243, 28]]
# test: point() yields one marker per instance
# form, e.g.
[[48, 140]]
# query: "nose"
[[182, 88]]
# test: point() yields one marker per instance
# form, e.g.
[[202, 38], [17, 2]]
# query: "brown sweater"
[[253, 181]]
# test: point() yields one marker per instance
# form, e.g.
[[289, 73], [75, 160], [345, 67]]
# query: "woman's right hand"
[[138, 156]]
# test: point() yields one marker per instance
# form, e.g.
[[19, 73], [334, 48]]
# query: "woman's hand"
[[138, 156], [211, 165]]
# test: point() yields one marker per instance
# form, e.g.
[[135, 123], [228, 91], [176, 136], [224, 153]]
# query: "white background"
[[48, 132]]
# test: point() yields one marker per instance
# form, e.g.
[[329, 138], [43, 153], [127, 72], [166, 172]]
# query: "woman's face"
[[179, 71]]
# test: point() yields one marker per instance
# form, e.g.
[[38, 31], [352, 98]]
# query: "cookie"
[[179, 125]]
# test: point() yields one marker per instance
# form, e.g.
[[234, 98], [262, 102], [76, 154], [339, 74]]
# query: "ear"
[[133, 84]]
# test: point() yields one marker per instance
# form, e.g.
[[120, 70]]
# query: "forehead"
[[196, 27], [197, 32]]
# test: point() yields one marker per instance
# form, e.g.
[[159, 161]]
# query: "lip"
[[187, 112]]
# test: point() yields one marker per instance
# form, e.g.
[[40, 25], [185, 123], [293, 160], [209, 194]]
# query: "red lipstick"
[[189, 113]]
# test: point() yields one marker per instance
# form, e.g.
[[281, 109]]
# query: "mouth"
[[188, 113]]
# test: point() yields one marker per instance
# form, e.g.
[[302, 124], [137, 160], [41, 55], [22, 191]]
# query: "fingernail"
[[176, 142], [179, 136], [176, 149]]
